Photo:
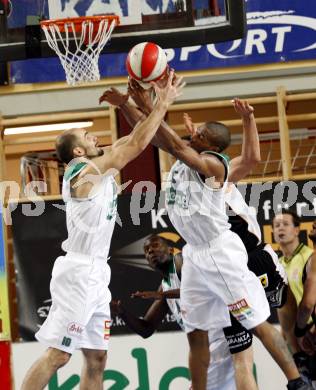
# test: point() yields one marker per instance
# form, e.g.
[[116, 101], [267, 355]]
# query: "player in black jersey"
[[263, 262]]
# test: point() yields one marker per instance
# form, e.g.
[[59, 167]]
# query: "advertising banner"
[[39, 229], [278, 32], [157, 363], [6, 366]]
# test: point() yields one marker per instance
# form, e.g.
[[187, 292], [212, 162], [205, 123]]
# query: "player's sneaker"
[[301, 360], [299, 384]]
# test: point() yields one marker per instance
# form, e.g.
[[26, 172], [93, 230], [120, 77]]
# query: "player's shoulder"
[[306, 251], [74, 169], [222, 157]]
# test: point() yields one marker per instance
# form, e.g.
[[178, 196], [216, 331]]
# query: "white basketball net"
[[81, 65]]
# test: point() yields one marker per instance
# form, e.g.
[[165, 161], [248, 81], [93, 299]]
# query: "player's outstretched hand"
[[114, 97], [190, 127], [147, 294], [171, 91], [163, 81], [140, 95], [242, 107], [116, 307]]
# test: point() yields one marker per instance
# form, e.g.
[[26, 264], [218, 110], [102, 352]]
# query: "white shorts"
[[220, 373], [215, 281], [80, 313]]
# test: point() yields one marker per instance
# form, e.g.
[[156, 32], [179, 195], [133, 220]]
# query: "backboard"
[[169, 23]]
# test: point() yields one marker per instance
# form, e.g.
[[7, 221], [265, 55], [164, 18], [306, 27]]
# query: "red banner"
[[5, 366]]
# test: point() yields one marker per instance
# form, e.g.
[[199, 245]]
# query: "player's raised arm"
[[121, 154], [131, 113], [242, 165], [168, 140], [147, 325]]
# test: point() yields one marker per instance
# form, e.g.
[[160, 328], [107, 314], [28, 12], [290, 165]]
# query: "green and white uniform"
[[220, 373], [80, 314], [172, 282], [215, 277]]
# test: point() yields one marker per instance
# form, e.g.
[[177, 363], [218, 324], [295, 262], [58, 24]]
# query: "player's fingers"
[[131, 83], [103, 98], [170, 77], [134, 294], [235, 103], [182, 85], [136, 84], [155, 87], [178, 80]]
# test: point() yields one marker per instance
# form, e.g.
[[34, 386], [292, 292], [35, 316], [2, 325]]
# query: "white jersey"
[[90, 221], [196, 210], [172, 282], [237, 203]]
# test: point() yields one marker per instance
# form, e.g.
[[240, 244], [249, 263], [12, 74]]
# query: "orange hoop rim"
[[77, 22]]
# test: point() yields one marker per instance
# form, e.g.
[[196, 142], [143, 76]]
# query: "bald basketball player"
[[79, 317]]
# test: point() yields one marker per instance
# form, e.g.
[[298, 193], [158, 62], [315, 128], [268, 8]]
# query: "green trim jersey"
[[172, 282], [196, 210], [91, 220], [80, 314]]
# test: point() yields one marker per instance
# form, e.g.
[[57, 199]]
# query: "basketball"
[[146, 62]]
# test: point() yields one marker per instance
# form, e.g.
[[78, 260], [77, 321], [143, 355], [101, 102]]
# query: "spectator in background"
[[297, 317]]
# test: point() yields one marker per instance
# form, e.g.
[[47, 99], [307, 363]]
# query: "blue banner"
[[278, 32]]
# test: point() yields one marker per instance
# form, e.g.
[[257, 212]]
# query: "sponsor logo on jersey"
[[264, 280], [237, 340], [74, 328], [176, 197], [295, 276], [240, 310], [107, 329]]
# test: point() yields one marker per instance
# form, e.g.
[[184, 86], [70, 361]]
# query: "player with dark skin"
[[239, 168], [159, 256]]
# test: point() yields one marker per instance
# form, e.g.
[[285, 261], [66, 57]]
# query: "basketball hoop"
[[78, 43]]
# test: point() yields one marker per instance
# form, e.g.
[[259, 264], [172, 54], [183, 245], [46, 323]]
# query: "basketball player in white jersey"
[[79, 317], [197, 209], [161, 258], [263, 261]]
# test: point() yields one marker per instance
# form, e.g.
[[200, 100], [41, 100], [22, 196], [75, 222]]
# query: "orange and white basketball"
[[146, 62]]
